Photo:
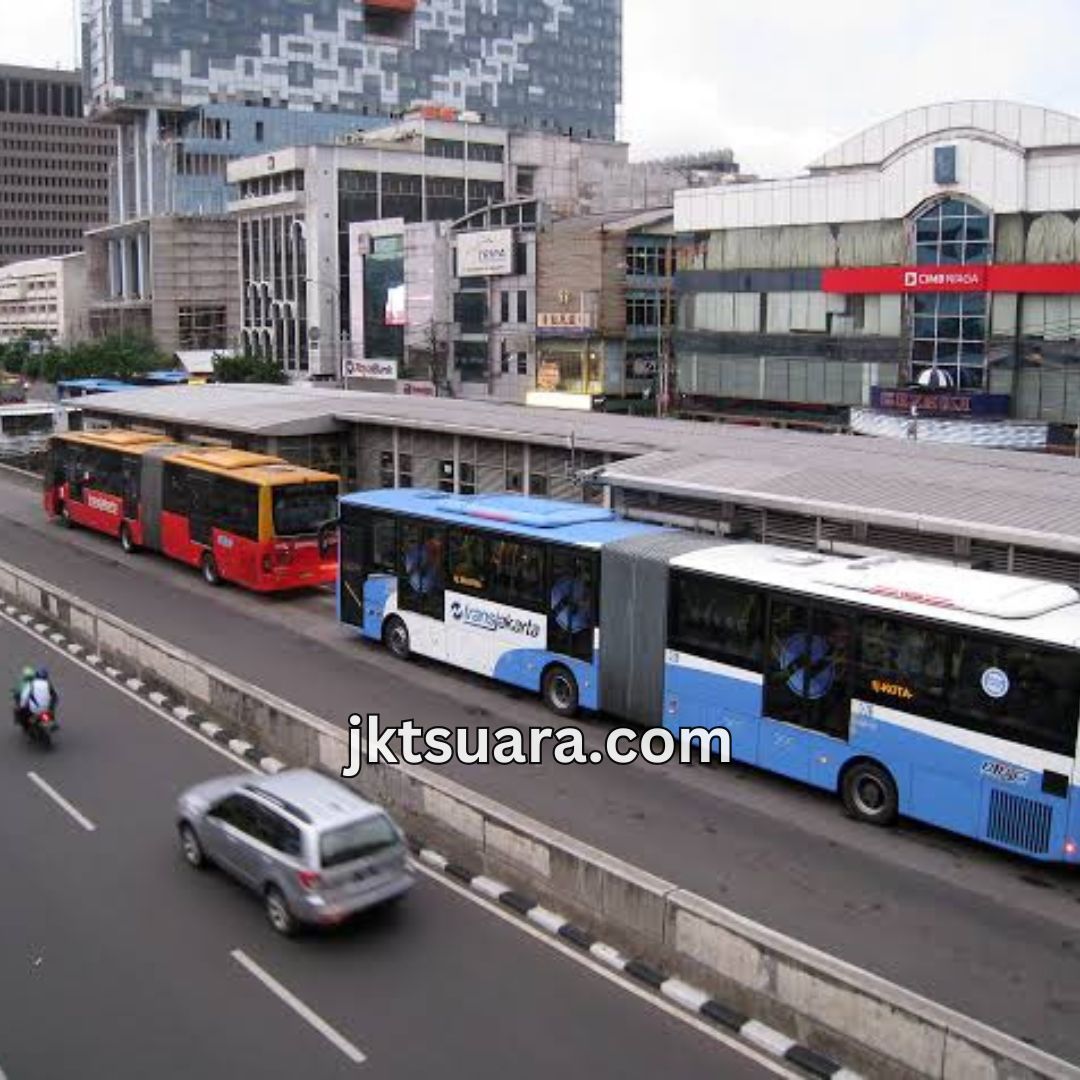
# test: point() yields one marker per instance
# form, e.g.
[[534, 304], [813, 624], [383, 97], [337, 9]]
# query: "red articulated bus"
[[250, 519]]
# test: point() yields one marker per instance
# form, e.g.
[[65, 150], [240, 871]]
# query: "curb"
[[687, 997], [681, 994]]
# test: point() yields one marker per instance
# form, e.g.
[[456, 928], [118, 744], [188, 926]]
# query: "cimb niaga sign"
[[1063, 278]]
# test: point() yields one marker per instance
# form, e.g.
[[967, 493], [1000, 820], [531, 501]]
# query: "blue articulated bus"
[[948, 695], [505, 586], [909, 687]]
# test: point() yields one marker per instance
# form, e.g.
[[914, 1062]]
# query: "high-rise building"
[[53, 165], [552, 64], [192, 84]]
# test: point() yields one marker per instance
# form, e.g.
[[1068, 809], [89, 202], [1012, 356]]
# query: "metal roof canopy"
[[1012, 497]]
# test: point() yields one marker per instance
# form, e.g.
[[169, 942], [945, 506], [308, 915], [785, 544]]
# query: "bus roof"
[[248, 466], [519, 515], [1002, 603], [116, 439]]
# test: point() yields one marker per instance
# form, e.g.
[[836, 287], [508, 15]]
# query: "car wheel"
[[278, 913], [126, 542], [210, 572], [870, 794], [396, 637], [560, 691], [191, 848]]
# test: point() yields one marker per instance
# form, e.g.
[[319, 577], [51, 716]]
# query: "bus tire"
[[126, 543], [869, 793], [559, 690], [211, 574], [395, 637]]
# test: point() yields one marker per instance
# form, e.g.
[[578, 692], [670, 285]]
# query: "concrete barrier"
[[825, 1003]]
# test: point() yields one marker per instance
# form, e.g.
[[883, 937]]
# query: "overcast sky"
[[779, 81]]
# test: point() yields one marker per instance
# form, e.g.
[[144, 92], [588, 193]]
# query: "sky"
[[778, 81]]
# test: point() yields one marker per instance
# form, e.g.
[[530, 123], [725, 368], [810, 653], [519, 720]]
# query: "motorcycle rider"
[[26, 677], [38, 694]]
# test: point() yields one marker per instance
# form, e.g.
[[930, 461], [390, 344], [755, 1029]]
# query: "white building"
[[44, 297], [296, 206], [933, 259]]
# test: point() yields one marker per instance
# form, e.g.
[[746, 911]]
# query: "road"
[[118, 960], [991, 935]]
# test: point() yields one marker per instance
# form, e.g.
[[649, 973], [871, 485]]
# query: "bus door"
[[807, 689], [200, 506], [572, 602], [421, 585]]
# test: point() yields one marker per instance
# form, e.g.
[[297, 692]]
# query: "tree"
[[248, 369], [430, 359]]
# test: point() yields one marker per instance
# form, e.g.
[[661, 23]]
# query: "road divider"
[[807, 1007]]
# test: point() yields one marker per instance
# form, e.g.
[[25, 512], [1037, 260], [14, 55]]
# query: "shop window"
[[386, 469]]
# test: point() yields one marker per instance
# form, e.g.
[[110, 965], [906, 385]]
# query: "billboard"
[[485, 253], [369, 369]]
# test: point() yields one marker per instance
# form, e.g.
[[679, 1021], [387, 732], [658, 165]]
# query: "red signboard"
[[1024, 278]]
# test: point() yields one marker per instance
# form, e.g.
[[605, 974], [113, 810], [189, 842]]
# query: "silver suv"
[[314, 850]]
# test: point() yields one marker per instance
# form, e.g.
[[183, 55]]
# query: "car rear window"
[[357, 840]]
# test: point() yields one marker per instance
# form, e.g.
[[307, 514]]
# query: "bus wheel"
[[396, 637], [560, 691], [869, 794], [125, 540], [210, 570]]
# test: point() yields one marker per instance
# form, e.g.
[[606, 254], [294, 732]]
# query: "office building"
[[53, 165], [45, 299]]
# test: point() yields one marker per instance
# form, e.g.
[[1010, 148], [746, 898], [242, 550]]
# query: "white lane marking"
[[551, 922], [294, 1003], [571, 953], [601, 954], [776, 1042], [689, 997], [60, 801]]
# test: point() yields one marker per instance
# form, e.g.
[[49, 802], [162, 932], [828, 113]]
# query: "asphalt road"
[[994, 936], [118, 960]]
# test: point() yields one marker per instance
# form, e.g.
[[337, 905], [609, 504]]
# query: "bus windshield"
[[302, 508]]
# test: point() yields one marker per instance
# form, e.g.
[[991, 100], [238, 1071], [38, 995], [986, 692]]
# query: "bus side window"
[[380, 544], [175, 499], [468, 563]]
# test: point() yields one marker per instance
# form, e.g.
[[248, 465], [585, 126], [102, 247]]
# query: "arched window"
[[948, 346]]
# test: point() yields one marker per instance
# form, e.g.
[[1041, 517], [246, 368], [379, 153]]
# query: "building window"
[[260, 130], [646, 310], [944, 164], [522, 306], [647, 261], [202, 326], [446, 475], [467, 481], [526, 181], [523, 363], [405, 470], [504, 311], [386, 469], [948, 339]]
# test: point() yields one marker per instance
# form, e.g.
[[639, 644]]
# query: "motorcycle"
[[41, 727]]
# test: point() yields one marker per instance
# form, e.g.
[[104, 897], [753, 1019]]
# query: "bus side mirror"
[[324, 537]]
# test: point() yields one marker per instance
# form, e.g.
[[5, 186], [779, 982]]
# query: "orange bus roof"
[[225, 460], [116, 439]]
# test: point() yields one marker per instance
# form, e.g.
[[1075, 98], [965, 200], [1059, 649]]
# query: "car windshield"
[[302, 508], [356, 840]]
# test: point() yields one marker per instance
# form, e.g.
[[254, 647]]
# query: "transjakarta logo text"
[[487, 619], [96, 502]]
